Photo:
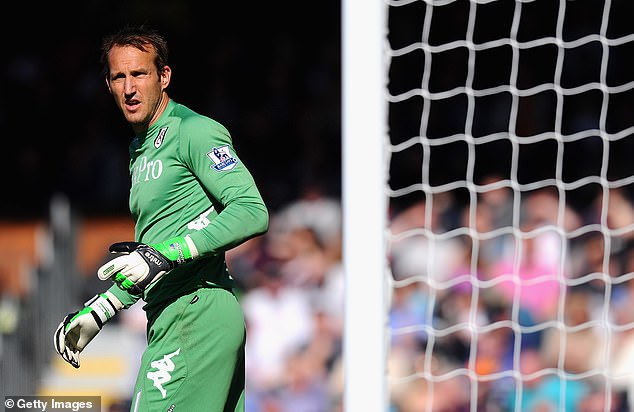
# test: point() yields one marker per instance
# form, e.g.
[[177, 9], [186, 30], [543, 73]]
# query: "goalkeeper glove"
[[79, 328], [142, 265]]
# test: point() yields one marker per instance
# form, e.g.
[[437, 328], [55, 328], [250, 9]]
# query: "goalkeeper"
[[192, 199]]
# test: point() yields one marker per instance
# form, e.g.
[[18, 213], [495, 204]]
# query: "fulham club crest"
[[221, 156], [159, 138]]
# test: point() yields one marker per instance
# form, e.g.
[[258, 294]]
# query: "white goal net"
[[508, 185]]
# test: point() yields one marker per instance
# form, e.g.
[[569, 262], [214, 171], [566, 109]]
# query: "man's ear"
[[166, 76]]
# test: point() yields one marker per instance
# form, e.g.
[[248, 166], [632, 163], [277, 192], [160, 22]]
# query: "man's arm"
[[242, 213]]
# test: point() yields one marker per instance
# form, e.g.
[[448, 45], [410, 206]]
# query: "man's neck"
[[141, 129]]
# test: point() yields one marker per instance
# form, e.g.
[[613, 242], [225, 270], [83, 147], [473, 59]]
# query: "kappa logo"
[[162, 375], [202, 221], [160, 137], [222, 158]]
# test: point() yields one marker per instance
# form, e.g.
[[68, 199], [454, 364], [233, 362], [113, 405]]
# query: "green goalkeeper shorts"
[[194, 360]]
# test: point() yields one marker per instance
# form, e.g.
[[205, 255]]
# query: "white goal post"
[[364, 123], [488, 199]]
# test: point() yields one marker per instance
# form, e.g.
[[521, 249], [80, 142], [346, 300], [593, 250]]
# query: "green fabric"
[[180, 186], [195, 356], [124, 297]]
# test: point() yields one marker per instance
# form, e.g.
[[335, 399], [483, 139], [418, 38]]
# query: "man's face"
[[137, 86]]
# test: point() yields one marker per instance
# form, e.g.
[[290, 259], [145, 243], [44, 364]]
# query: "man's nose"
[[129, 86]]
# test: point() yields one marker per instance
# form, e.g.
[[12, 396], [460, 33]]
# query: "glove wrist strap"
[[179, 250], [104, 306]]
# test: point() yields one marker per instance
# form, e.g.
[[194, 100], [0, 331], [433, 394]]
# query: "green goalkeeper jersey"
[[188, 180]]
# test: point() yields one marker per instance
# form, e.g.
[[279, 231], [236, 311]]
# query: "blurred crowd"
[[502, 307]]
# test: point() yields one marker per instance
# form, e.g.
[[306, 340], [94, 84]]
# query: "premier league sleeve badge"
[[222, 158]]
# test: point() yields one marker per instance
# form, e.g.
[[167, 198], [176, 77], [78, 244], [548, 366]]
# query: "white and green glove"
[[79, 328], [141, 264]]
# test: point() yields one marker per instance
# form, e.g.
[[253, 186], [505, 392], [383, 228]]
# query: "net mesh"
[[511, 191]]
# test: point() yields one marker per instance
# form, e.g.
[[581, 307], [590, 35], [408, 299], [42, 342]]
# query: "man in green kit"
[[192, 199]]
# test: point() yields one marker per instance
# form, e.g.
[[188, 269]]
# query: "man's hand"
[[141, 264], [79, 328]]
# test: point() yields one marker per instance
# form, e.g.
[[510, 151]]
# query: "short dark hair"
[[140, 37]]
